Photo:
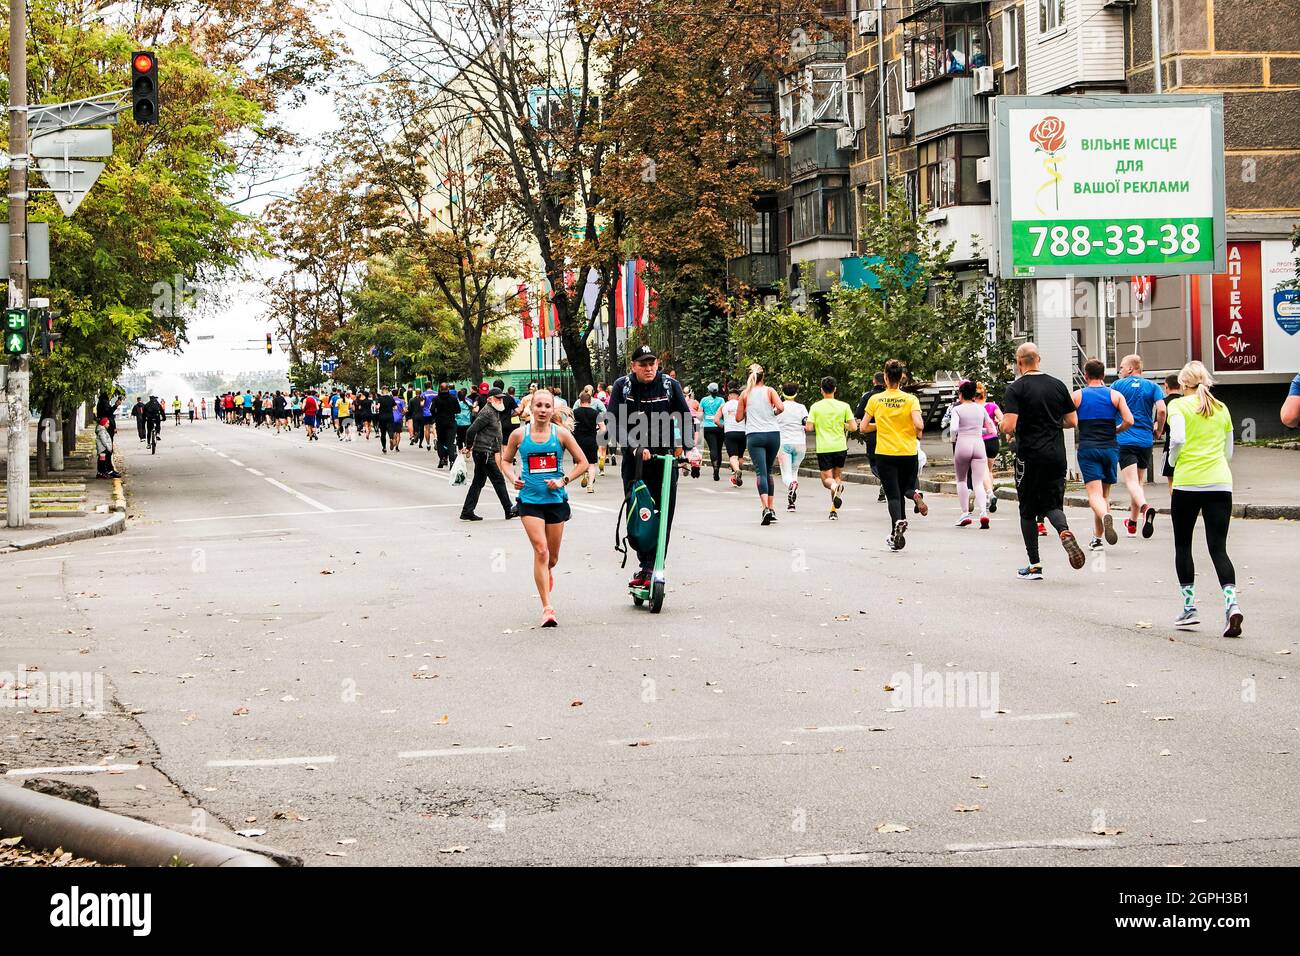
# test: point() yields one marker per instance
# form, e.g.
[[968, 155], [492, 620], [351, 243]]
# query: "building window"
[[948, 41], [1010, 39], [1051, 15], [816, 94], [822, 212], [756, 236], [946, 171]]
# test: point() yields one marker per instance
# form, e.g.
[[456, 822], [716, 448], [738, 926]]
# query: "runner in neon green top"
[[1200, 446], [831, 420]]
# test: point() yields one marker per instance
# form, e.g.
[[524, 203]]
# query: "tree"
[[435, 177], [398, 312], [917, 313], [323, 233]]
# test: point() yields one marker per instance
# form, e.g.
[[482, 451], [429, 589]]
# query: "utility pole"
[[18, 480], [1157, 69], [884, 107]]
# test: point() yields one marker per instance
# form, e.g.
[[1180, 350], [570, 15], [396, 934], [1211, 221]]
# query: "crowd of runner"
[[532, 447]]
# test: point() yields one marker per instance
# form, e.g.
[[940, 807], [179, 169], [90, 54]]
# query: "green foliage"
[[156, 221], [705, 354], [396, 310]]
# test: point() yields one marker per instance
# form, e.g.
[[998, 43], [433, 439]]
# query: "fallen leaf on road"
[[11, 841], [424, 675], [454, 849], [841, 617], [444, 719], [964, 808], [1283, 651], [1068, 759], [347, 842], [250, 819], [250, 833], [1107, 831], [327, 571], [1142, 624], [240, 712], [1162, 717], [889, 688], [1112, 701], [576, 703], [288, 699], [892, 828], [1166, 753], [335, 853], [710, 683]]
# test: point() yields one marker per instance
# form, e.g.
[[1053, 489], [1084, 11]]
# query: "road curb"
[[46, 823], [119, 496], [113, 524]]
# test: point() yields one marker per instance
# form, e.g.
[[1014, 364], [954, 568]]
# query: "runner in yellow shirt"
[[895, 417]]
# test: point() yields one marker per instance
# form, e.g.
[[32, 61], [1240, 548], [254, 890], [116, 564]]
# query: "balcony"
[[759, 270], [816, 153], [969, 228], [949, 104]]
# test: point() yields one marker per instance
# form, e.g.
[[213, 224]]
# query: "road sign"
[[79, 143], [1110, 185], [38, 250], [69, 180]]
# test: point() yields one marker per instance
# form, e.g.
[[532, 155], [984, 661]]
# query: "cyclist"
[[153, 413]]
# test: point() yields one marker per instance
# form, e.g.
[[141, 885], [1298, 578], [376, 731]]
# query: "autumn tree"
[[533, 75], [437, 179], [323, 233]]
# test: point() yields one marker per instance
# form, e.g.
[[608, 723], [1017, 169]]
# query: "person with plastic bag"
[[483, 442]]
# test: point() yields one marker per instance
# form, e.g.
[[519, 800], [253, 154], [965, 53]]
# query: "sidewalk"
[[68, 505]]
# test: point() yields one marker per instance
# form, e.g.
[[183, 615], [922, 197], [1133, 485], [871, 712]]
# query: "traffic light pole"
[[18, 478]]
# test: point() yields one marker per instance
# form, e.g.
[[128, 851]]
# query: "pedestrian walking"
[[483, 446]]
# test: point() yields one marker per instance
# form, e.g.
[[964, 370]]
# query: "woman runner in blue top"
[[1103, 414], [543, 499]]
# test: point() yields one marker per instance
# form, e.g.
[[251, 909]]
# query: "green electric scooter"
[[644, 523]]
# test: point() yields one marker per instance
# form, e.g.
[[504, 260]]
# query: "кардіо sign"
[[1109, 185]]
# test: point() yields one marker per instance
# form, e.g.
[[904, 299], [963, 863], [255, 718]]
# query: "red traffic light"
[[142, 62]]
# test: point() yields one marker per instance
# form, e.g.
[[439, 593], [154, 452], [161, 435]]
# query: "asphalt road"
[[318, 643]]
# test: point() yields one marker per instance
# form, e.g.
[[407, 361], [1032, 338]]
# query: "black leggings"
[[898, 478], [714, 438], [1215, 507]]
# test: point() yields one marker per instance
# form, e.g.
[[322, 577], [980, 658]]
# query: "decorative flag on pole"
[[524, 314], [631, 297]]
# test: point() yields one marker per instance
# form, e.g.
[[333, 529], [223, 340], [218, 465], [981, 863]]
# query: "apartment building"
[[943, 63]]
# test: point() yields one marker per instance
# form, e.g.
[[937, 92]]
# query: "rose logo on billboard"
[[1048, 136]]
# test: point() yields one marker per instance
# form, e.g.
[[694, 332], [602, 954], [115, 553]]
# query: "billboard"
[[1255, 317], [1109, 185]]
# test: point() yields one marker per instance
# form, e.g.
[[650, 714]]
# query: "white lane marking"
[[259, 533], [590, 508], [299, 495], [671, 739], [125, 551], [254, 471], [1065, 843], [236, 462], [106, 768], [310, 514], [1064, 716], [44, 574], [456, 752], [223, 454], [841, 729], [273, 761]]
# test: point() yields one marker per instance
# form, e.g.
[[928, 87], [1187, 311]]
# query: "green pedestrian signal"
[[15, 332]]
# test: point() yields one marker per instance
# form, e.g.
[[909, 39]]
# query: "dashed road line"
[[457, 752], [274, 761]]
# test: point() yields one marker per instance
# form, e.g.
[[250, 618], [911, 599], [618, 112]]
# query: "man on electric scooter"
[[647, 411]]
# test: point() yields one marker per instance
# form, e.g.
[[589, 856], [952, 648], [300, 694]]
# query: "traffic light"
[[268, 343], [144, 88], [16, 332], [48, 335]]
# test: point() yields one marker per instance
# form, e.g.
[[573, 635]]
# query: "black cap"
[[642, 353], [495, 393]]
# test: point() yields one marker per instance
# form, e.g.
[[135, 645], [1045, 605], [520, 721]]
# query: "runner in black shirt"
[[1036, 409], [384, 406], [586, 422]]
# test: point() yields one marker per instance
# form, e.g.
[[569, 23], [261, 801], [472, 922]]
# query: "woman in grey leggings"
[[759, 405]]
